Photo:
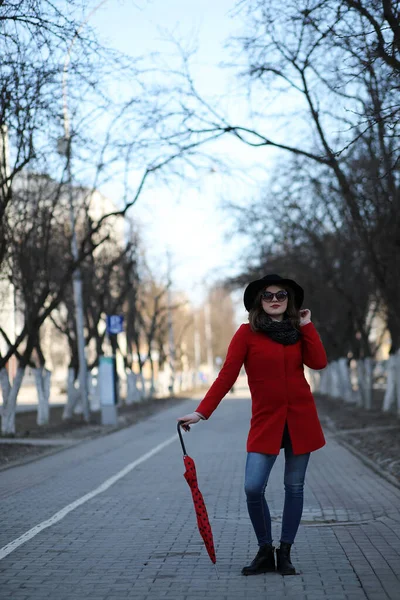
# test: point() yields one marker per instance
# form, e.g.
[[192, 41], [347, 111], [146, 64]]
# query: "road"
[[113, 518]]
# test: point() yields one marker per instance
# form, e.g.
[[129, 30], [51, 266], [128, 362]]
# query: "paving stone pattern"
[[139, 538]]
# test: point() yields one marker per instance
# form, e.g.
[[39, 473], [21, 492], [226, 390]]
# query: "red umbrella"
[[201, 511]]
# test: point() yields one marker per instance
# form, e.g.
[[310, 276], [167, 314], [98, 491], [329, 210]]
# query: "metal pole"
[[114, 346], [210, 358], [77, 289], [171, 341], [197, 352]]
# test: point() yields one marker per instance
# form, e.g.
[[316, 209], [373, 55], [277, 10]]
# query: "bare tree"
[[340, 75], [39, 265], [107, 274], [302, 228], [33, 269], [328, 73]]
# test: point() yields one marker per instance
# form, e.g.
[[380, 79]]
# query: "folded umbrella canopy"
[[201, 511]]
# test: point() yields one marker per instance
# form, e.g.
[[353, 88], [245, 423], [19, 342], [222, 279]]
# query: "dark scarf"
[[282, 332]]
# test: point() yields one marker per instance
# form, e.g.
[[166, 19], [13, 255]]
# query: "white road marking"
[[28, 535]]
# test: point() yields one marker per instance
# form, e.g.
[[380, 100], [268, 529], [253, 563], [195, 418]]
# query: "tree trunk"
[[185, 380], [345, 380], [94, 397], [163, 380], [133, 393], [43, 381], [368, 370], [313, 379], [364, 376], [152, 389], [398, 381], [10, 394], [324, 380], [335, 388], [360, 382], [179, 378], [194, 379], [73, 396], [143, 386], [392, 394]]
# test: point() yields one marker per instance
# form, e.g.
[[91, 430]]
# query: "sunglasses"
[[281, 296]]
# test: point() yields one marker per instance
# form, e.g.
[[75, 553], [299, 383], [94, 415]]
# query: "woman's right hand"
[[189, 419]]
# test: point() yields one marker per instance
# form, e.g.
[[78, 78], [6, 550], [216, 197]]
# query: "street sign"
[[114, 324]]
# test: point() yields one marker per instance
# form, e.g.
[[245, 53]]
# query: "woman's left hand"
[[305, 316]]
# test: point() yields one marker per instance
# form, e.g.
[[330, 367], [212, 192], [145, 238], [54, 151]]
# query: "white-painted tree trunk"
[[335, 390], [186, 377], [142, 387], [152, 389], [360, 383], [133, 393], [73, 397], [94, 393], [397, 355], [182, 381], [324, 380], [313, 379], [43, 381], [364, 377], [163, 381], [190, 375], [392, 394], [368, 370], [345, 380], [10, 394]]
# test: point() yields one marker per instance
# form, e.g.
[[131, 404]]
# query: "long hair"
[[292, 312]]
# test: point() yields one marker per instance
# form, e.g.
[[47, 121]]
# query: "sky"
[[186, 218]]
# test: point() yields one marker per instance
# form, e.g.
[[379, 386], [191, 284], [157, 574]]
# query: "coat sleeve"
[[227, 375], [314, 355]]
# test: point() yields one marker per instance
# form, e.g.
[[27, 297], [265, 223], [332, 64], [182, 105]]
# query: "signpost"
[[108, 376], [114, 324]]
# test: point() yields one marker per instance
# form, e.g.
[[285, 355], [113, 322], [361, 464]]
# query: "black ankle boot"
[[283, 563], [264, 561]]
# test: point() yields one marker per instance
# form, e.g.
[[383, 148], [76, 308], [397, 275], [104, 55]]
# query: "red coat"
[[279, 390]]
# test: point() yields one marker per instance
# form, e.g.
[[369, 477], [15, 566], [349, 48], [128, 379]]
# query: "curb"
[[29, 459], [367, 461], [23, 461]]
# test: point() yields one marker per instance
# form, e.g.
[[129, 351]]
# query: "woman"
[[273, 347]]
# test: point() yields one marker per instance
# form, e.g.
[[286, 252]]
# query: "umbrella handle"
[[181, 438]]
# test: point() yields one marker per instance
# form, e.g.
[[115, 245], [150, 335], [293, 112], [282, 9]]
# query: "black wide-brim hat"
[[250, 293]]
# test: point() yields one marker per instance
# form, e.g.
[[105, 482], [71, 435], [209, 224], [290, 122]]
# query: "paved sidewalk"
[[138, 539]]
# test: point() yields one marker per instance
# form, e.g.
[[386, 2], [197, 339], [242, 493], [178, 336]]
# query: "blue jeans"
[[258, 468]]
